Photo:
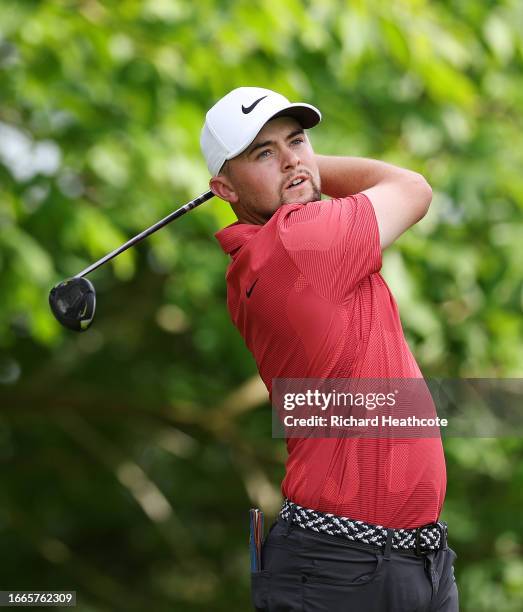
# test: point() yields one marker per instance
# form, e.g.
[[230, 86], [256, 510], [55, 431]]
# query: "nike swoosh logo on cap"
[[247, 109]]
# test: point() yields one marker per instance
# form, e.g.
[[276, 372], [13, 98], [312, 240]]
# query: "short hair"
[[225, 169]]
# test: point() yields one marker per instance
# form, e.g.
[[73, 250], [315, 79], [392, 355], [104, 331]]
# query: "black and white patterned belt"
[[418, 540]]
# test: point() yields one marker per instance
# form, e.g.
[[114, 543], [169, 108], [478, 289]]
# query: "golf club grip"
[[171, 217]]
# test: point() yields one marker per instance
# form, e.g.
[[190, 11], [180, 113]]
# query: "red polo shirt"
[[305, 292]]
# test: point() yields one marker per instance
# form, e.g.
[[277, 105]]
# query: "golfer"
[[359, 526]]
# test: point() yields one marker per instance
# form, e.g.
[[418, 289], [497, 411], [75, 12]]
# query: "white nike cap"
[[235, 120]]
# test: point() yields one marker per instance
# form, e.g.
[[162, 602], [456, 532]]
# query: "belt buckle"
[[443, 529]]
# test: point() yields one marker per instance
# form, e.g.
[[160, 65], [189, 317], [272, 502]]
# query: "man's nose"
[[289, 159]]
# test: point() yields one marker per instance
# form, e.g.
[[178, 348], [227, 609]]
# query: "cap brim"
[[307, 115]]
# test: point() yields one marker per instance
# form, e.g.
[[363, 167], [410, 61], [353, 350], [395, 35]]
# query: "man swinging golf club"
[[359, 528]]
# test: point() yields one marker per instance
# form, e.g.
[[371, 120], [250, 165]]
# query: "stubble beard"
[[255, 205], [316, 194]]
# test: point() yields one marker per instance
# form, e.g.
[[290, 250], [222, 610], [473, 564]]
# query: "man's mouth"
[[297, 182]]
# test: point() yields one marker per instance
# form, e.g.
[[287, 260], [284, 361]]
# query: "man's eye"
[[262, 154], [299, 140]]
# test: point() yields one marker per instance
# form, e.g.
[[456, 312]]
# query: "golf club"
[[73, 301]]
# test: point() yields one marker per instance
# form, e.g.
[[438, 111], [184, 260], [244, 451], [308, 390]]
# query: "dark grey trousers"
[[305, 571]]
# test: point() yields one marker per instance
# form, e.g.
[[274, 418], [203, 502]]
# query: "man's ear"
[[222, 187]]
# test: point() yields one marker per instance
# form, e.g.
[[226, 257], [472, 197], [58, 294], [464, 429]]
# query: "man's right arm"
[[399, 197]]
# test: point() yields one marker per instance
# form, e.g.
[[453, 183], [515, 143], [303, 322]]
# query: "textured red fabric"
[[319, 308]]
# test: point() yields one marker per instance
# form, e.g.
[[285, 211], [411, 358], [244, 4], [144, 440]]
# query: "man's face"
[[258, 181]]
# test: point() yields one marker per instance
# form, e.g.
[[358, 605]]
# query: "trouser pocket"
[[357, 567], [348, 583]]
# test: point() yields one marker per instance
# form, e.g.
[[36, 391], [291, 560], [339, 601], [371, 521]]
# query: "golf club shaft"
[[174, 215]]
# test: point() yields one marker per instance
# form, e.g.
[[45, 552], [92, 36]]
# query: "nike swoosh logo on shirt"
[[247, 109], [249, 291]]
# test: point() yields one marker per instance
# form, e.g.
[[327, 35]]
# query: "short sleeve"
[[335, 243]]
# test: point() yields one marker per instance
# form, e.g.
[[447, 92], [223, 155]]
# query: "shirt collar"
[[234, 236]]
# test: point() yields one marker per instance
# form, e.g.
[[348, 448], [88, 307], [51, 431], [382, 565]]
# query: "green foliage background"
[[129, 455]]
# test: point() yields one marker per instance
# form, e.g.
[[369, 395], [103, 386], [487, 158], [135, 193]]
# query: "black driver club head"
[[73, 303]]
